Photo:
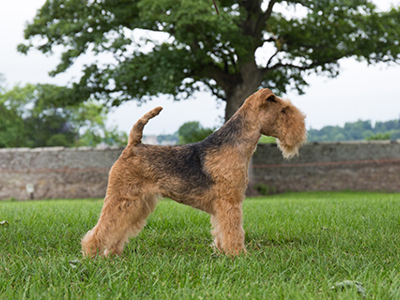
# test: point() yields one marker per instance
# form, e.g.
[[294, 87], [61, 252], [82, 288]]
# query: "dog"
[[211, 175]]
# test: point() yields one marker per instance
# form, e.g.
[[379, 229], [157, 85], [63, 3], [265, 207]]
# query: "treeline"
[[189, 132], [192, 132], [29, 117], [360, 130]]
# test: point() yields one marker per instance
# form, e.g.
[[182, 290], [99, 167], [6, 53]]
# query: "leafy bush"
[[379, 136]]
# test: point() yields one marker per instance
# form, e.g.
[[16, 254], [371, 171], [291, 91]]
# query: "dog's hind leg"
[[119, 220]]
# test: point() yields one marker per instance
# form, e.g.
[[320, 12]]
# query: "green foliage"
[[12, 133], [379, 136], [300, 245], [192, 132], [264, 189], [267, 140], [201, 49], [30, 118], [359, 130]]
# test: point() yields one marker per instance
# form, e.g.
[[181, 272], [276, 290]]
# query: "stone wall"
[[360, 166], [83, 172], [56, 172]]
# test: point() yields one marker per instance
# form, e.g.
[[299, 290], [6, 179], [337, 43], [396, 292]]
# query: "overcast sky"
[[359, 92]]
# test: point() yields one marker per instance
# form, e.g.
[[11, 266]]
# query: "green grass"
[[299, 244]]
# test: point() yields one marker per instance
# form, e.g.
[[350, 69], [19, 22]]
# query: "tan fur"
[[211, 175]]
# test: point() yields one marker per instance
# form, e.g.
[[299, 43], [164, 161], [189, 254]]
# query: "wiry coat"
[[211, 175]]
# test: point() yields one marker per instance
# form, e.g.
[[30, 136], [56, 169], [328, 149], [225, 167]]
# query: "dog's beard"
[[288, 151], [291, 149]]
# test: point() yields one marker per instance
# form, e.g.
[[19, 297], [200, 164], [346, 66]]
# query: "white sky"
[[359, 92]]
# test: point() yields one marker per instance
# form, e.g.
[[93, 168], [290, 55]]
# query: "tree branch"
[[214, 90], [222, 78], [270, 59], [281, 65], [268, 12]]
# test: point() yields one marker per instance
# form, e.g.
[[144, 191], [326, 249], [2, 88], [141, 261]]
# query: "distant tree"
[[387, 126], [359, 130], [91, 118], [192, 132], [339, 137], [395, 134], [29, 118], [354, 131], [12, 133], [168, 138], [202, 50]]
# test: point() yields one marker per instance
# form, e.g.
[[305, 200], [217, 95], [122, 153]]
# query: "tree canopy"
[[359, 130], [29, 118], [203, 50]]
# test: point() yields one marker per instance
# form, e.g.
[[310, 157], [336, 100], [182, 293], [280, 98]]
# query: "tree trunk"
[[233, 103], [237, 93]]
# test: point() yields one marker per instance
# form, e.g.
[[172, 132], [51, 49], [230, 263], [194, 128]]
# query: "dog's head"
[[279, 118]]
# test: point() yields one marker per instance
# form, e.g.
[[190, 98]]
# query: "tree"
[[168, 139], [192, 132], [359, 130], [12, 132], [355, 130], [29, 118], [202, 50]]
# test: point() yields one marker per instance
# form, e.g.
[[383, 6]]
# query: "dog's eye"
[[283, 111]]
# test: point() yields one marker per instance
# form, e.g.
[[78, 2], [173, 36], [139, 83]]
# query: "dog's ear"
[[266, 96], [271, 98]]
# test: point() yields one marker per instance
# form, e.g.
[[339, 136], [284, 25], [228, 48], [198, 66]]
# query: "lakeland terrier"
[[211, 175]]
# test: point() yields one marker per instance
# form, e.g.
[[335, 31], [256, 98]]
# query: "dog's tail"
[[136, 134]]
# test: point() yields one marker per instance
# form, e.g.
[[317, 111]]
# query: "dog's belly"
[[192, 198]]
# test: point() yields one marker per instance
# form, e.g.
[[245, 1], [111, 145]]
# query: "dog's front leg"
[[228, 229]]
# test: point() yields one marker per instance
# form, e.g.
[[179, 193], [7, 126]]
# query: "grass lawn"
[[299, 244]]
